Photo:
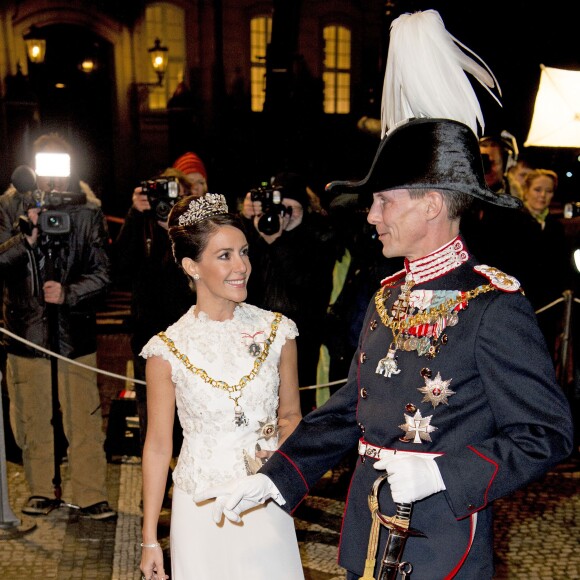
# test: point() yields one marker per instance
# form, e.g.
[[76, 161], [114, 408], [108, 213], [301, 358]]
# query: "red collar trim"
[[434, 265]]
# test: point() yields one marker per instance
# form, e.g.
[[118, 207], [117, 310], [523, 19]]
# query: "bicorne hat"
[[427, 153], [430, 115]]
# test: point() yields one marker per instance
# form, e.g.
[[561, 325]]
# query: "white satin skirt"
[[263, 546]]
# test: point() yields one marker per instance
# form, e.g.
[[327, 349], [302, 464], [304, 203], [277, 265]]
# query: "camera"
[[53, 218], [162, 194], [272, 208], [572, 209]]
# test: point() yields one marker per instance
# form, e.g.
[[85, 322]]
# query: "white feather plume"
[[425, 74]]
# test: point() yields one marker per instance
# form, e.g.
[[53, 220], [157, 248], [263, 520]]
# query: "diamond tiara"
[[201, 208]]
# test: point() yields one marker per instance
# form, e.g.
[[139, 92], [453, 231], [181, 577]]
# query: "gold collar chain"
[[234, 391], [428, 316]]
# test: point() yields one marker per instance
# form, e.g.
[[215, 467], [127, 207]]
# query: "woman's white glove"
[[237, 496], [411, 476]]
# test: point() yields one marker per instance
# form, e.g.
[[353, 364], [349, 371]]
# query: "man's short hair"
[[457, 203], [52, 142]]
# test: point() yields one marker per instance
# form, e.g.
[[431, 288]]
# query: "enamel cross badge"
[[417, 428]]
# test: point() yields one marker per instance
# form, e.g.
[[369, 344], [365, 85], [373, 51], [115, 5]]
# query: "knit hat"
[[190, 163]]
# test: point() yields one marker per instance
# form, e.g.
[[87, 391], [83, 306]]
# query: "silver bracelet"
[[154, 545]]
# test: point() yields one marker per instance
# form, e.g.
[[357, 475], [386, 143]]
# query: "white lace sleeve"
[[156, 347], [287, 329]]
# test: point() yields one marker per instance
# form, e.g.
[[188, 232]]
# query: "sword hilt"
[[399, 526]]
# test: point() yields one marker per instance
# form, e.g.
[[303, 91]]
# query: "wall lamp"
[[35, 45], [159, 61]]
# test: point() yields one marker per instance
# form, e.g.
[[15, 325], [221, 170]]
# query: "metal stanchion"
[[565, 343], [10, 525]]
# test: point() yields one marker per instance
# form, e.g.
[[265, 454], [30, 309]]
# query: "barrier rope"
[[115, 375], [140, 382]]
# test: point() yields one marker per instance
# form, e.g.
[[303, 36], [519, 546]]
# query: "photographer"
[[62, 272], [292, 252], [143, 261]]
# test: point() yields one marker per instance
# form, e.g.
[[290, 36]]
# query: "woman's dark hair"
[[190, 241]]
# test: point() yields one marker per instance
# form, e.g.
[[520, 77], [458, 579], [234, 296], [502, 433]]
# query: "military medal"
[[240, 419], [436, 390], [417, 428], [388, 366], [254, 347]]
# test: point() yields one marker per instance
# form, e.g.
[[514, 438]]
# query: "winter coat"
[[80, 263]]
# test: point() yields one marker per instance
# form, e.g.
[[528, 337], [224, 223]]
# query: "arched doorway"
[[79, 103]]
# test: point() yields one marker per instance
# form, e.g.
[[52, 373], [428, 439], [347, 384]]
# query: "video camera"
[[53, 219], [162, 194], [272, 208]]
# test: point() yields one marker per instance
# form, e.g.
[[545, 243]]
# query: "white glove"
[[411, 476], [240, 495]]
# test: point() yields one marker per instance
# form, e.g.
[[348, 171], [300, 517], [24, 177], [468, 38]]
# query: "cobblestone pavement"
[[537, 531]]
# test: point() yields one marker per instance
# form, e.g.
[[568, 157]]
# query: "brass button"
[[363, 358], [374, 324], [363, 393]]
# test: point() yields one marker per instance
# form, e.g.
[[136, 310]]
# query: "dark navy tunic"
[[506, 424]]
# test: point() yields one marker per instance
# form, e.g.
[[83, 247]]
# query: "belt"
[[366, 449]]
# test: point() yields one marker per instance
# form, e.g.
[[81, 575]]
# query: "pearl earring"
[[196, 277]]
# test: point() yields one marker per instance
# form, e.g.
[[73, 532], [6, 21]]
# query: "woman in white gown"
[[231, 370]]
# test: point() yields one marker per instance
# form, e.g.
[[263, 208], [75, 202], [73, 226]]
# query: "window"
[[260, 34], [336, 73], [166, 22]]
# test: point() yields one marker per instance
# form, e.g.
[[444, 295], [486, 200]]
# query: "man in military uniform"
[[451, 391]]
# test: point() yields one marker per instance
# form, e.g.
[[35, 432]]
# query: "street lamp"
[[159, 60], [35, 45]]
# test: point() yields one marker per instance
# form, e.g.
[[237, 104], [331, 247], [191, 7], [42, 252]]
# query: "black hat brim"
[[427, 154]]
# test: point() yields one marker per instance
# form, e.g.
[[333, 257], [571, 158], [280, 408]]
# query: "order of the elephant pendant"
[[388, 366]]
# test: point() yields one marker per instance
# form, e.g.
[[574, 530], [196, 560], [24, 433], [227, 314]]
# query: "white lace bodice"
[[215, 449]]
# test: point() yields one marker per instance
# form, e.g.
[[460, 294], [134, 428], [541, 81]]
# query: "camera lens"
[[162, 210], [269, 223]]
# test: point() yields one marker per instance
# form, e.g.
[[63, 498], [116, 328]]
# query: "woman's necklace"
[[234, 391]]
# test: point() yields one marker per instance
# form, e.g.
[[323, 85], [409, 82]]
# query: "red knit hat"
[[190, 163]]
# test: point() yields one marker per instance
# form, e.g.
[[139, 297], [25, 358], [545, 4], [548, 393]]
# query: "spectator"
[[292, 271], [516, 176], [160, 294], [194, 170], [494, 233], [544, 249], [55, 277]]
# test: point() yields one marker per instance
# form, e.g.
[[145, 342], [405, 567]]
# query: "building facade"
[[253, 86]]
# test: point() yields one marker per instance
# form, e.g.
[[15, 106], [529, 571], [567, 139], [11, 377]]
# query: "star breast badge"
[[436, 391], [417, 428]]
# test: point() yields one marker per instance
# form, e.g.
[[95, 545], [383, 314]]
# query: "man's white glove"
[[411, 476], [240, 495]]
